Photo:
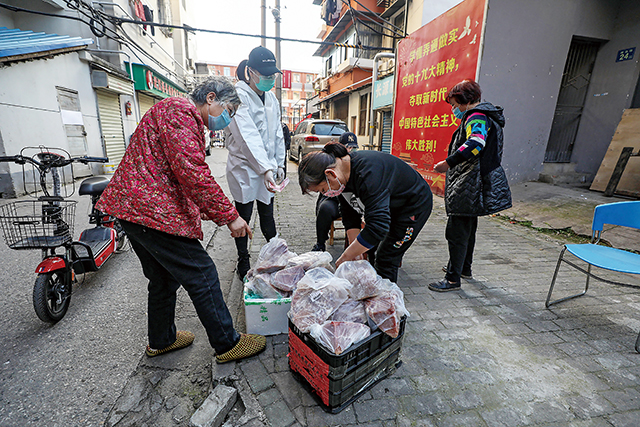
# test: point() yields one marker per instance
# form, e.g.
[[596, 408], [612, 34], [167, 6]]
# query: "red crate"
[[338, 380]]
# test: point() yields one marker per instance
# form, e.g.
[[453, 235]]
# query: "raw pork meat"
[[260, 286], [339, 336], [311, 260], [273, 257], [366, 282], [314, 302], [287, 279], [350, 311]]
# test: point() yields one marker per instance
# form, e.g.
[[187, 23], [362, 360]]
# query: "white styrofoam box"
[[266, 316]]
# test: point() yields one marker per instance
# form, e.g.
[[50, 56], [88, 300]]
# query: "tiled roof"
[[17, 42]]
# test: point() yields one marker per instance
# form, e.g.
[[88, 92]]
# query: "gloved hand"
[[269, 182], [280, 175]]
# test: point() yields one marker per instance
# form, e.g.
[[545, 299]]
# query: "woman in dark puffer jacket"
[[476, 184]]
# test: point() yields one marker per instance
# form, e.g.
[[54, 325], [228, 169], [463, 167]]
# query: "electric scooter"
[[46, 223]]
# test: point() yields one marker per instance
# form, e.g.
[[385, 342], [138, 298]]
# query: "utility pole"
[[276, 15], [263, 23]]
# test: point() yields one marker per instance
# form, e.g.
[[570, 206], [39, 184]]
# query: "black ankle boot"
[[243, 267]]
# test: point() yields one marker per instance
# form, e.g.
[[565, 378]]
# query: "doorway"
[[571, 98]]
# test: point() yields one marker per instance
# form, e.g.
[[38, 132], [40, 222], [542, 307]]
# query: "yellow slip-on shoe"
[[249, 345], [183, 339]]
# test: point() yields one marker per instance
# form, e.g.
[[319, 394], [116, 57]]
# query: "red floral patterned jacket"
[[163, 181]]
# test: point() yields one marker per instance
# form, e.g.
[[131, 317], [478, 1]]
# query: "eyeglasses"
[[231, 112], [272, 76]]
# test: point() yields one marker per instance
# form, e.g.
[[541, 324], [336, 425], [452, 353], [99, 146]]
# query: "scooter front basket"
[[37, 224]]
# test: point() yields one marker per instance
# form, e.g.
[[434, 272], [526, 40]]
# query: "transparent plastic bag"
[[260, 286], [287, 279], [273, 257], [387, 309], [312, 260], [315, 278], [366, 282], [350, 311], [315, 303], [339, 336]]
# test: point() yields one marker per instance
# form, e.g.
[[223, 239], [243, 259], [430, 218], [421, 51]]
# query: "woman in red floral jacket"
[[160, 192]]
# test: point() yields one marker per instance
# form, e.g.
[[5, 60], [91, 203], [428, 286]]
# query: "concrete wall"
[[29, 110], [611, 90], [525, 50]]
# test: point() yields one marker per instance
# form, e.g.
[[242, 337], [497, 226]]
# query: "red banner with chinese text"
[[430, 62]]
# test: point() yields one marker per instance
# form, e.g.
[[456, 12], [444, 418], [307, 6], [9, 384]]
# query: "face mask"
[[333, 193], [456, 112], [219, 122], [265, 84]]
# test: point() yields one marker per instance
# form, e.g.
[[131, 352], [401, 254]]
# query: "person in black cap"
[[328, 208], [256, 147]]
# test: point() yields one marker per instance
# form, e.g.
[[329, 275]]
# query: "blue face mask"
[[219, 122], [456, 112]]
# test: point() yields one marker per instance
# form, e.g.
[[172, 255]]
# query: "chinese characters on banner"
[[430, 62]]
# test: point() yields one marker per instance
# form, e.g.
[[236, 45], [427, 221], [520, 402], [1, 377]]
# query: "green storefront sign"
[[147, 80]]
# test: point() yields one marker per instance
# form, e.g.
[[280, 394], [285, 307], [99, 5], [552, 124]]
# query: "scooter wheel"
[[51, 296]]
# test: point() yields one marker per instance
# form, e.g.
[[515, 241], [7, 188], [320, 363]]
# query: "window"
[[309, 95], [227, 71], [309, 78], [296, 96], [296, 77], [328, 67], [362, 120], [332, 129]]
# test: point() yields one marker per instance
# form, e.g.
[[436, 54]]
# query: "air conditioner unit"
[[349, 63], [324, 84]]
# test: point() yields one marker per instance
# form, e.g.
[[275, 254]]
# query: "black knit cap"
[[262, 60]]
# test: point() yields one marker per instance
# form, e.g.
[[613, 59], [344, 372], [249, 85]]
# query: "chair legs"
[[548, 303]]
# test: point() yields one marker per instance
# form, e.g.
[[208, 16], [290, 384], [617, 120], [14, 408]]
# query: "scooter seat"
[[93, 186]]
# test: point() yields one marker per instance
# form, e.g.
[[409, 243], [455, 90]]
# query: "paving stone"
[[279, 414], [424, 404], [376, 409], [624, 400], [317, 417], [215, 407], [465, 419], [627, 419], [466, 400], [256, 374]]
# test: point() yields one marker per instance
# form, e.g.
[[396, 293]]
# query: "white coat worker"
[[256, 147]]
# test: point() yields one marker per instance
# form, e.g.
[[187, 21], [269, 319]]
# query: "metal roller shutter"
[[386, 131], [145, 102], [112, 129]]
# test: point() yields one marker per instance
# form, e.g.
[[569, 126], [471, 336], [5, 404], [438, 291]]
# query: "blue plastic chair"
[[626, 214]]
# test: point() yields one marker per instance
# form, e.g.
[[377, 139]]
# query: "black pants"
[[327, 211], [461, 236], [169, 262], [267, 224], [401, 235]]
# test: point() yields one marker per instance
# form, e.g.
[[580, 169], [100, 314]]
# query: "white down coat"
[[256, 145]]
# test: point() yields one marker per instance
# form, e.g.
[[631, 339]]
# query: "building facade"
[[124, 66], [563, 71]]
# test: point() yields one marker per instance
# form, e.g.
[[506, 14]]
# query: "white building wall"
[[29, 110]]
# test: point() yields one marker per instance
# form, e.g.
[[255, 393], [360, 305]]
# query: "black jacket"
[[479, 185], [383, 188]]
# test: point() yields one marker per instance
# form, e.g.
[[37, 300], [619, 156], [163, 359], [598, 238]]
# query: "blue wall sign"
[[625, 54], [383, 92]]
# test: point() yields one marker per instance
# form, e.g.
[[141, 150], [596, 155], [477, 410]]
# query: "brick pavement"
[[488, 355]]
